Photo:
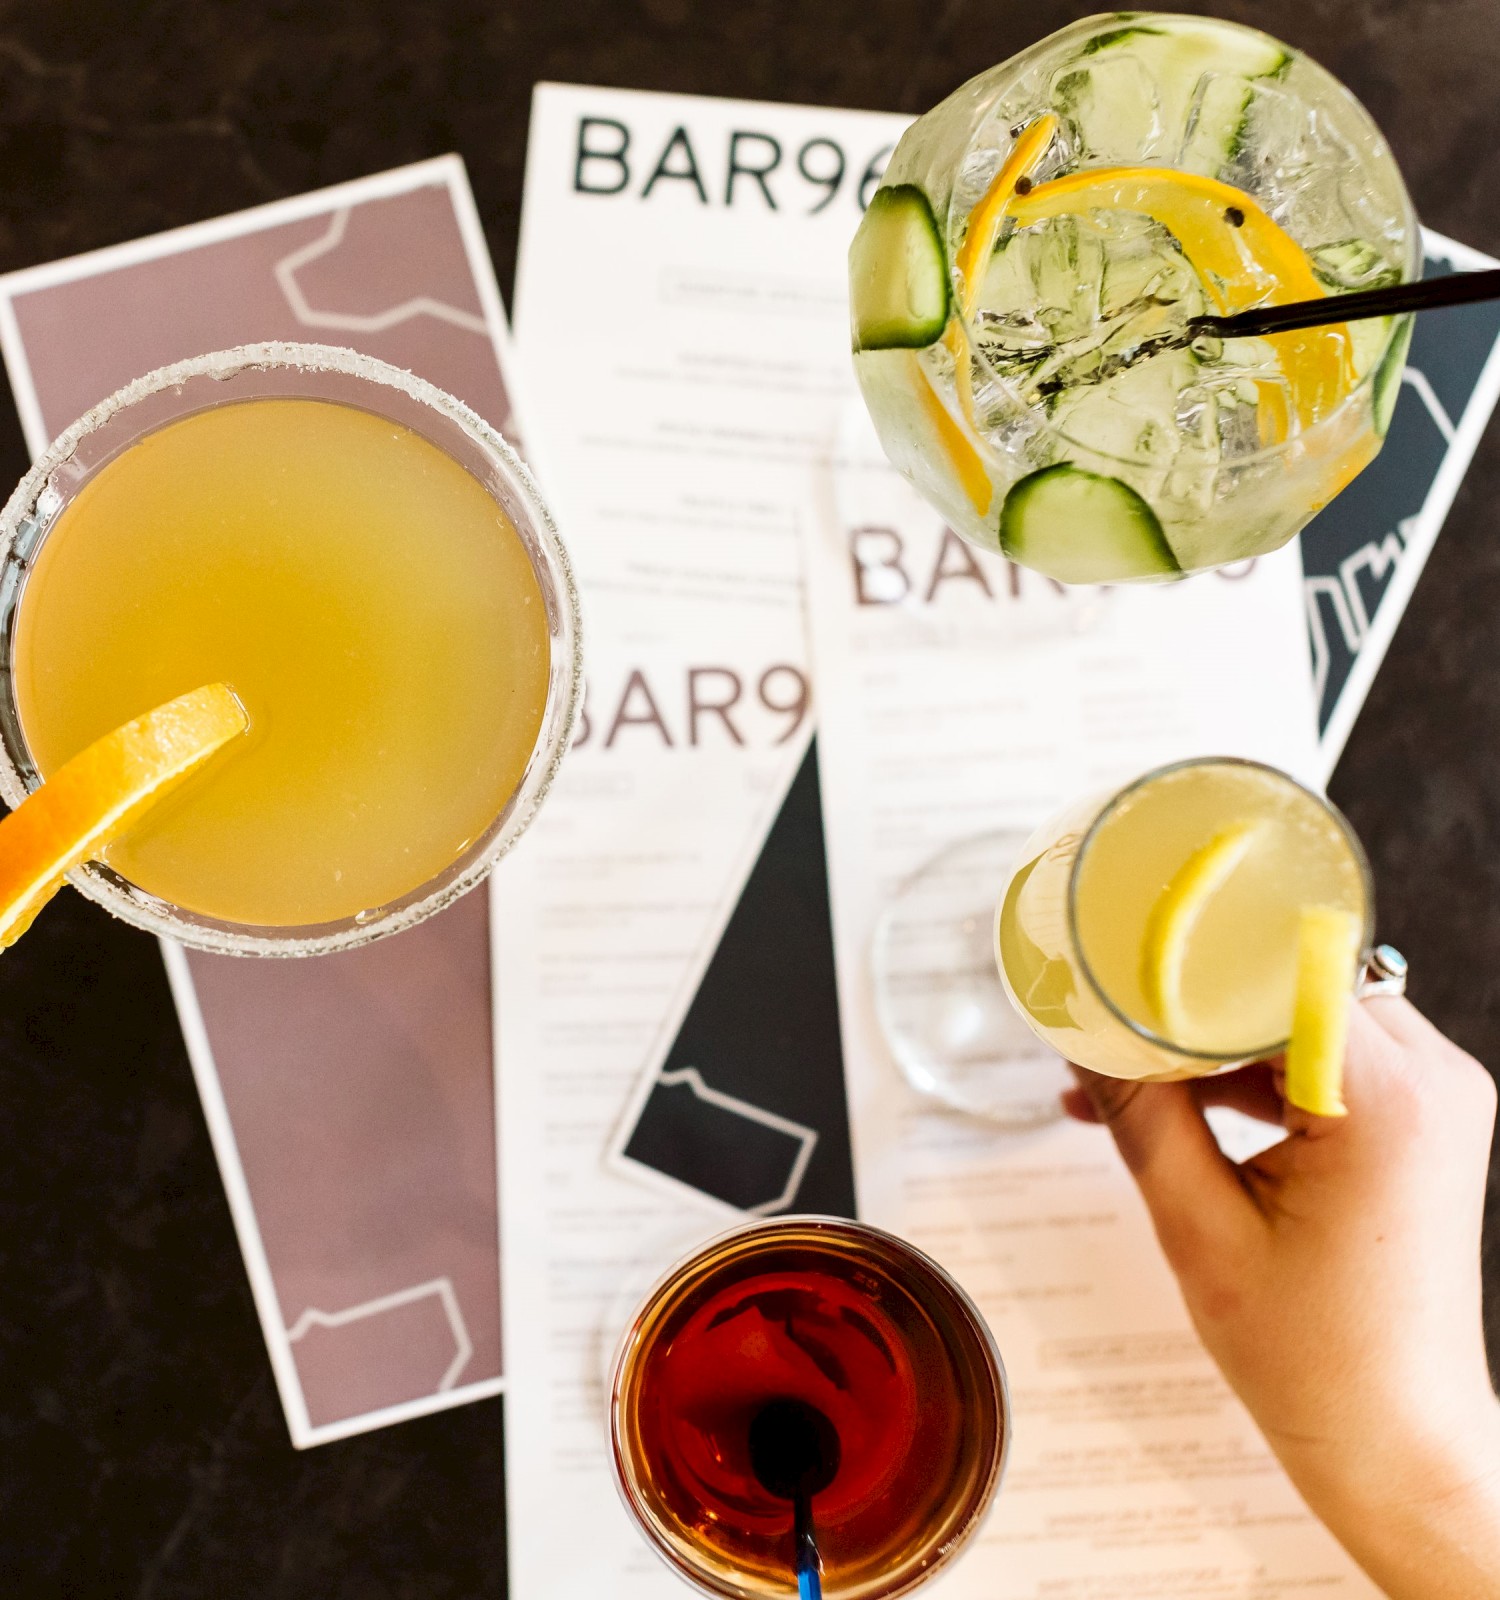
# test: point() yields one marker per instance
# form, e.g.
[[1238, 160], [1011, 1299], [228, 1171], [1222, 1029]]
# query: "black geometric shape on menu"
[[1369, 513], [1452, 346], [762, 1034], [1370, 521], [718, 1148]]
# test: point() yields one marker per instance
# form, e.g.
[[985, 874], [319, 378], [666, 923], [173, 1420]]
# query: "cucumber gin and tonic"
[[1040, 236]]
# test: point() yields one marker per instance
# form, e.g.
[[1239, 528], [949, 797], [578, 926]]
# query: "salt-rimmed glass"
[[300, 372]]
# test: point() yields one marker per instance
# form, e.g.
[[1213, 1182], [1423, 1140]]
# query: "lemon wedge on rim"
[[1170, 925], [1328, 940], [100, 792]]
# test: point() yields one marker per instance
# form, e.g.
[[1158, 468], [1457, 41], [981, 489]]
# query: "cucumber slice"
[[1385, 387], [1201, 72], [1354, 264], [898, 274], [1369, 340], [1082, 527]]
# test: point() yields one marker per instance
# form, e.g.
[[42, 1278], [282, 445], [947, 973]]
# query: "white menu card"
[[955, 700], [681, 323], [680, 327]]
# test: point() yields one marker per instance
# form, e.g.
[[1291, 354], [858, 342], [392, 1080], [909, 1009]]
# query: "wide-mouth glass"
[[1327, 99], [1210, 1058], [686, 1300], [298, 372]]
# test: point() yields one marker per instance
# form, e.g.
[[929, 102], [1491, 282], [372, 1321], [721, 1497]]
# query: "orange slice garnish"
[[985, 222], [962, 453], [94, 797], [1243, 257], [987, 218]]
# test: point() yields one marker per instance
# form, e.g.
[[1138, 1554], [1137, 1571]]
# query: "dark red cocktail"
[[826, 1320]]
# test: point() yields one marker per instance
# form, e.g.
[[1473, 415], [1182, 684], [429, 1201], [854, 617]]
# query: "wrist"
[[1421, 1511]]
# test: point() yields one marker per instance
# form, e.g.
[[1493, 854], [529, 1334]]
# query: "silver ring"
[[1384, 974]]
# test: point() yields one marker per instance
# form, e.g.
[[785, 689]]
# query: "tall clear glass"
[[1071, 925], [300, 372]]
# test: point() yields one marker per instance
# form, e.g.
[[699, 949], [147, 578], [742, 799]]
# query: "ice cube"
[[1112, 103], [1347, 264], [1306, 165]]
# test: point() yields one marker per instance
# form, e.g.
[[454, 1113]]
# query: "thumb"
[[1191, 1188]]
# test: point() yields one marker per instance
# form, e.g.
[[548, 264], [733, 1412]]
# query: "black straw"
[[1427, 294]]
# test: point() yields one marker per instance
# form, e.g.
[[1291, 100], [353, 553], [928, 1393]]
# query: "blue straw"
[[809, 1565], [794, 1452]]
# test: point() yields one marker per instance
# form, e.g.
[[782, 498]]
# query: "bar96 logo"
[[689, 707], [743, 166]]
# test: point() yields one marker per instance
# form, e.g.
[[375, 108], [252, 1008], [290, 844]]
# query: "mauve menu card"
[[350, 1097]]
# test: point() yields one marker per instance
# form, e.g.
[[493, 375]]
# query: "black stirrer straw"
[[1426, 294], [794, 1452]]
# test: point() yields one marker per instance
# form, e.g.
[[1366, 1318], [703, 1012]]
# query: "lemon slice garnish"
[[98, 794], [1169, 927], [1328, 941]]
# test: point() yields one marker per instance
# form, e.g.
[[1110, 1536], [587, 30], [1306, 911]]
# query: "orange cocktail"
[[382, 610]]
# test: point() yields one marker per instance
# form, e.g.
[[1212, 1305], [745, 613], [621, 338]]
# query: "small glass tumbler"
[[861, 1332]]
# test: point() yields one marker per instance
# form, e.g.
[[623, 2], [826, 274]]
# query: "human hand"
[[1335, 1279]]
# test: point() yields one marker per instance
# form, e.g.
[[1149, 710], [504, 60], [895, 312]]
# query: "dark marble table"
[[142, 1450]]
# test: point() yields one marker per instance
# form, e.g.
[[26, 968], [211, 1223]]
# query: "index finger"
[[1190, 1187]]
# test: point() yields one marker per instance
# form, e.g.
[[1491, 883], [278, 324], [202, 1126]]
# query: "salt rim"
[[559, 716]]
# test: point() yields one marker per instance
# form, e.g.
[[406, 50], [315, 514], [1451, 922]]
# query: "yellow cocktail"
[[366, 566], [1154, 933]]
